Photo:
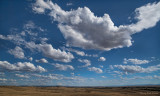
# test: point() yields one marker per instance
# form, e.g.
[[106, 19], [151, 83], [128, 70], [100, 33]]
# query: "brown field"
[[77, 91]]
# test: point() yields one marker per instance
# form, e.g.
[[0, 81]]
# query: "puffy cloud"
[[144, 77], [22, 76], [101, 66], [97, 70], [21, 66], [80, 53], [145, 17], [3, 79], [137, 69], [81, 28], [63, 67], [49, 76], [14, 38], [102, 59], [69, 4], [87, 62], [135, 61], [17, 52], [103, 76], [43, 60], [50, 52], [30, 59], [46, 49], [156, 77]]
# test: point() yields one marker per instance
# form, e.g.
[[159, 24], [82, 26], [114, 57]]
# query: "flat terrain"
[[74, 91]]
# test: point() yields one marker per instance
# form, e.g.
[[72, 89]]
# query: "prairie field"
[[79, 91]]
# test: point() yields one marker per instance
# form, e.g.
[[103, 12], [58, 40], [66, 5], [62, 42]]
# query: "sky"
[[79, 42]]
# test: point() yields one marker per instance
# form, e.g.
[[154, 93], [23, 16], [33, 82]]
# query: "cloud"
[[69, 4], [30, 59], [102, 59], [80, 53], [103, 76], [137, 69], [63, 67], [43, 60], [49, 76], [46, 49], [145, 17], [135, 61], [22, 76], [140, 77], [81, 28], [87, 62], [20, 66], [3, 79], [97, 70], [17, 52], [50, 52]]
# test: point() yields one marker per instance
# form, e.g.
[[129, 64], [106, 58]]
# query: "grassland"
[[79, 91]]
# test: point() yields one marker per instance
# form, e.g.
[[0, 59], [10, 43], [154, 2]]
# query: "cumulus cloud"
[[135, 61], [80, 53], [43, 60], [20, 66], [30, 59], [103, 76], [63, 67], [102, 59], [81, 28], [145, 17], [22, 76], [137, 69], [97, 70], [47, 49], [87, 62], [69, 4], [50, 52], [17, 52], [49, 76]]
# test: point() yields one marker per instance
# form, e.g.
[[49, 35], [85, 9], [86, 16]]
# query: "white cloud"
[[3, 79], [137, 69], [103, 76], [49, 76], [140, 77], [50, 52], [43, 60], [63, 67], [135, 61], [81, 28], [87, 62], [147, 17], [22, 76], [101, 66], [156, 77], [80, 53], [46, 49], [31, 29], [17, 52], [30, 59], [21, 66], [97, 70], [102, 59], [69, 4]]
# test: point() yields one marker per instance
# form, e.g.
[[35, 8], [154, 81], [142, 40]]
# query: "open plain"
[[79, 91]]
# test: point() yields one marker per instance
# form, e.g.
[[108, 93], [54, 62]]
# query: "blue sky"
[[79, 43]]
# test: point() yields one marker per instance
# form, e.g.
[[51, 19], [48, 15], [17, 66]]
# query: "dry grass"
[[72, 91]]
